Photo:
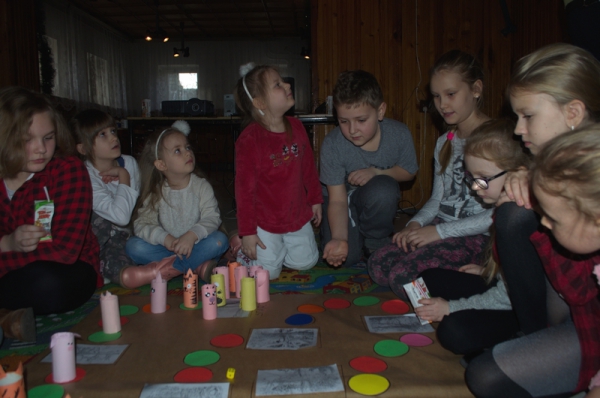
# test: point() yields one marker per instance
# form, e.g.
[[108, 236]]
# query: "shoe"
[[167, 271], [134, 277], [18, 324], [205, 270]]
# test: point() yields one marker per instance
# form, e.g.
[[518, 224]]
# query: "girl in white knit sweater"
[[177, 220]]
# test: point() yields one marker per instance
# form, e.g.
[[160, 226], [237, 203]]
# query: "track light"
[[158, 33], [183, 51], [305, 53]]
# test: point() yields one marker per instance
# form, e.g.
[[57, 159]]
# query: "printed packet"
[[44, 210], [416, 290]]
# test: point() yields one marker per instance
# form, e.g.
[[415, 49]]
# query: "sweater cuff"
[[200, 232]]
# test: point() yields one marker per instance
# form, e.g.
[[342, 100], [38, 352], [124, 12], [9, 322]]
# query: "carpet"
[[321, 279]]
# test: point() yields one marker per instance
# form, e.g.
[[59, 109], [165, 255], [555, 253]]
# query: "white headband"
[[180, 125], [244, 69]]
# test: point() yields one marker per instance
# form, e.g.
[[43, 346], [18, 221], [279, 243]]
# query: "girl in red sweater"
[[277, 188]]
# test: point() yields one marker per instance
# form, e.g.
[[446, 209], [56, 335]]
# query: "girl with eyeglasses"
[[472, 304]]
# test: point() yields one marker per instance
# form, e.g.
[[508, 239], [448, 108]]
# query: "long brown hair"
[[18, 106], [470, 71]]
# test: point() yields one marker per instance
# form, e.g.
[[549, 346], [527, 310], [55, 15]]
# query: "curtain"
[[99, 67], [88, 58]]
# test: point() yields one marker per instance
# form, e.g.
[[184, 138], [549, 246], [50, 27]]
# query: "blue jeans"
[[211, 247]]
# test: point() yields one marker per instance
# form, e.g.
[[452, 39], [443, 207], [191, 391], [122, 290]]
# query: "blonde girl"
[[116, 183], [472, 305], [277, 189], [176, 224], [450, 230], [553, 90]]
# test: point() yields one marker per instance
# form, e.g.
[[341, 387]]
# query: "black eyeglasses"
[[482, 182]]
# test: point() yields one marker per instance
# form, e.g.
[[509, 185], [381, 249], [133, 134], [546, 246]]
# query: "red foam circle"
[[196, 374], [79, 374], [367, 364], [124, 321], [336, 303], [227, 340], [396, 307]]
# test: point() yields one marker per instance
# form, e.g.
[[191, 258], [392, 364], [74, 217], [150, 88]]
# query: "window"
[[97, 80], [177, 82]]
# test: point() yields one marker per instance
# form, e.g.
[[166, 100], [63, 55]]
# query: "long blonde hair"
[[470, 71], [563, 71], [496, 142], [153, 180], [568, 166]]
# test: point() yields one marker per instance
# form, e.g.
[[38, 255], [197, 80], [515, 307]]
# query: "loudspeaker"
[[291, 82], [229, 105], [192, 107]]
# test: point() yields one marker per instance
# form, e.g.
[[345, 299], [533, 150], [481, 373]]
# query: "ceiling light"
[[183, 51], [305, 53], [158, 33]]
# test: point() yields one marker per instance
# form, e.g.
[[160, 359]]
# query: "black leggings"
[[48, 287], [468, 331], [522, 268]]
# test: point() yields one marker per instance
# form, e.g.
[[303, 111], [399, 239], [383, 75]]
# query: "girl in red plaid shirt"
[[52, 269]]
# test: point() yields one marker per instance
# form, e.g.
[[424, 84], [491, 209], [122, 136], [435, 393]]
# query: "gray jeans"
[[372, 210]]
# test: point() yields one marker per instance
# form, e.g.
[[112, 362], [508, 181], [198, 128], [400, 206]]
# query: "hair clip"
[[180, 125], [450, 136], [244, 69]]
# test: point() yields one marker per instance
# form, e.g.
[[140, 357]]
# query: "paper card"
[[282, 339], [212, 390], [396, 324], [90, 354], [232, 310], [320, 379], [417, 290]]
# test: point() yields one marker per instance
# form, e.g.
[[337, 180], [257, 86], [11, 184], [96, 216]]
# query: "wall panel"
[[399, 40]]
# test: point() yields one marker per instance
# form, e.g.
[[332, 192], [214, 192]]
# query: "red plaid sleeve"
[[69, 186]]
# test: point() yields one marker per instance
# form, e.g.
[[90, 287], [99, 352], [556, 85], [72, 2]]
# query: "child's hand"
[[399, 238], [169, 242], [317, 214], [116, 174], [516, 188], [471, 269], [249, 245], [422, 236], [184, 245], [433, 309], [335, 252], [362, 176], [23, 239]]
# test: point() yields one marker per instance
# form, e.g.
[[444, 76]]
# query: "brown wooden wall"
[[384, 37], [18, 45]]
